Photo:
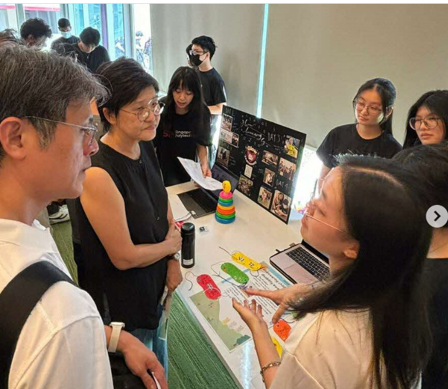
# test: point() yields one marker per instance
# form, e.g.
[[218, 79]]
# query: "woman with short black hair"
[[128, 236]]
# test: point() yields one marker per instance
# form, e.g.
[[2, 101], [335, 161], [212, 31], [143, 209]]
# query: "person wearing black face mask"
[[213, 87]]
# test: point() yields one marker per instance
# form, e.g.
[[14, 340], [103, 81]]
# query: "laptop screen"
[[221, 174]]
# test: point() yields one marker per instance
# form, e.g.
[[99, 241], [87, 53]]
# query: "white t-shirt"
[[327, 350], [63, 343]]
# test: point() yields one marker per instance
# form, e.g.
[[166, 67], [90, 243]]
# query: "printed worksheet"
[[218, 311]]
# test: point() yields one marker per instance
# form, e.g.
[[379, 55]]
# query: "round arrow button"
[[437, 216]]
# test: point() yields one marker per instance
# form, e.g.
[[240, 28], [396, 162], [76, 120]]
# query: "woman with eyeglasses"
[[366, 326], [371, 134], [184, 129], [127, 231], [427, 119]]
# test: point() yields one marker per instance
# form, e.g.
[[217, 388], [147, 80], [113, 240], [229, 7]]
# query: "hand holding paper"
[[195, 171]]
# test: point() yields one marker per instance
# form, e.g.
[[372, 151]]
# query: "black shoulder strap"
[[17, 301]]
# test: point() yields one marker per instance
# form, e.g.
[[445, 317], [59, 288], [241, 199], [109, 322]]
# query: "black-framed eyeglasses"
[[360, 106], [89, 131], [154, 106], [194, 52], [430, 122]]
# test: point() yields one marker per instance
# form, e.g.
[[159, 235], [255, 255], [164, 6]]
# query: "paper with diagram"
[[219, 313]]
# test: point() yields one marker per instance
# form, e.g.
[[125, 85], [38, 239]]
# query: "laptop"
[[301, 263], [200, 202]]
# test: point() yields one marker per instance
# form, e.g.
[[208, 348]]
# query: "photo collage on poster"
[[264, 155]]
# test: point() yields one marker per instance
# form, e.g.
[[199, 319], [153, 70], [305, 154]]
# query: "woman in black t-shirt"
[[372, 132], [427, 119], [430, 164], [184, 129]]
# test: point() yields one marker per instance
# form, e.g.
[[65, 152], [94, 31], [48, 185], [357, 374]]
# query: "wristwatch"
[[175, 257], [117, 326]]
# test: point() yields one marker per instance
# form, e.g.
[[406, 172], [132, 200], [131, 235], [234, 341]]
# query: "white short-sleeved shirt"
[[63, 343], [329, 350]]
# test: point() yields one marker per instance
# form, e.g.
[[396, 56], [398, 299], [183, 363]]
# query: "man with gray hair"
[[46, 141]]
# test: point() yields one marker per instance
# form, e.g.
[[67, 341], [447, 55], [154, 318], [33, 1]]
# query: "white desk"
[[256, 233]]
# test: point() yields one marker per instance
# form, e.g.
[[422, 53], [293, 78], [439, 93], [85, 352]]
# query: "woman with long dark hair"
[[427, 119], [366, 327], [430, 164], [184, 129], [371, 134]]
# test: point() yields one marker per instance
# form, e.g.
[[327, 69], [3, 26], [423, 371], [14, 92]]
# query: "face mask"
[[194, 59], [66, 34]]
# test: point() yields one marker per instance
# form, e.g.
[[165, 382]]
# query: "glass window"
[[8, 17], [94, 17], [309, 173], [142, 36], [117, 47], [88, 15], [78, 24], [108, 20]]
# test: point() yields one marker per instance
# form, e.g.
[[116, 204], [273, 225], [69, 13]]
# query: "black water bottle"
[[187, 255]]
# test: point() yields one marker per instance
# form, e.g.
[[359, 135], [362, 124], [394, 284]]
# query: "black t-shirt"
[[436, 374], [59, 44], [182, 142], [131, 296], [345, 139], [214, 90], [92, 60]]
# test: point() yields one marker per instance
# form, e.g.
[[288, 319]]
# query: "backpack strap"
[[17, 301]]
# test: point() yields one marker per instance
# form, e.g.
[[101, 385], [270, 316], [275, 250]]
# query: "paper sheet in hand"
[[195, 172]]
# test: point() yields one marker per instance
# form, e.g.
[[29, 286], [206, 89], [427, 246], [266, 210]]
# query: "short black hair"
[[64, 23], [90, 36], [35, 27], [125, 79], [206, 43]]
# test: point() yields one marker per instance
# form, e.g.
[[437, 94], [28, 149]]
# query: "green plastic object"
[[238, 275]]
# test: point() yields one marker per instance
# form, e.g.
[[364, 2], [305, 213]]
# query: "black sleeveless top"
[[130, 296]]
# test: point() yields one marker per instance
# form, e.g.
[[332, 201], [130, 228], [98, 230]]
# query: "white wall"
[[236, 30], [317, 56]]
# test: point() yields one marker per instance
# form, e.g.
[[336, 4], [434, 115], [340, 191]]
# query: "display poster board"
[[265, 156]]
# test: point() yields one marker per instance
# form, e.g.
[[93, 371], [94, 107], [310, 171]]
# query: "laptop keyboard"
[[309, 263], [206, 203]]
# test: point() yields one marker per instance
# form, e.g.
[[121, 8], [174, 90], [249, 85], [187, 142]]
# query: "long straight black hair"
[[437, 102], [384, 214], [388, 93], [430, 164], [187, 78]]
